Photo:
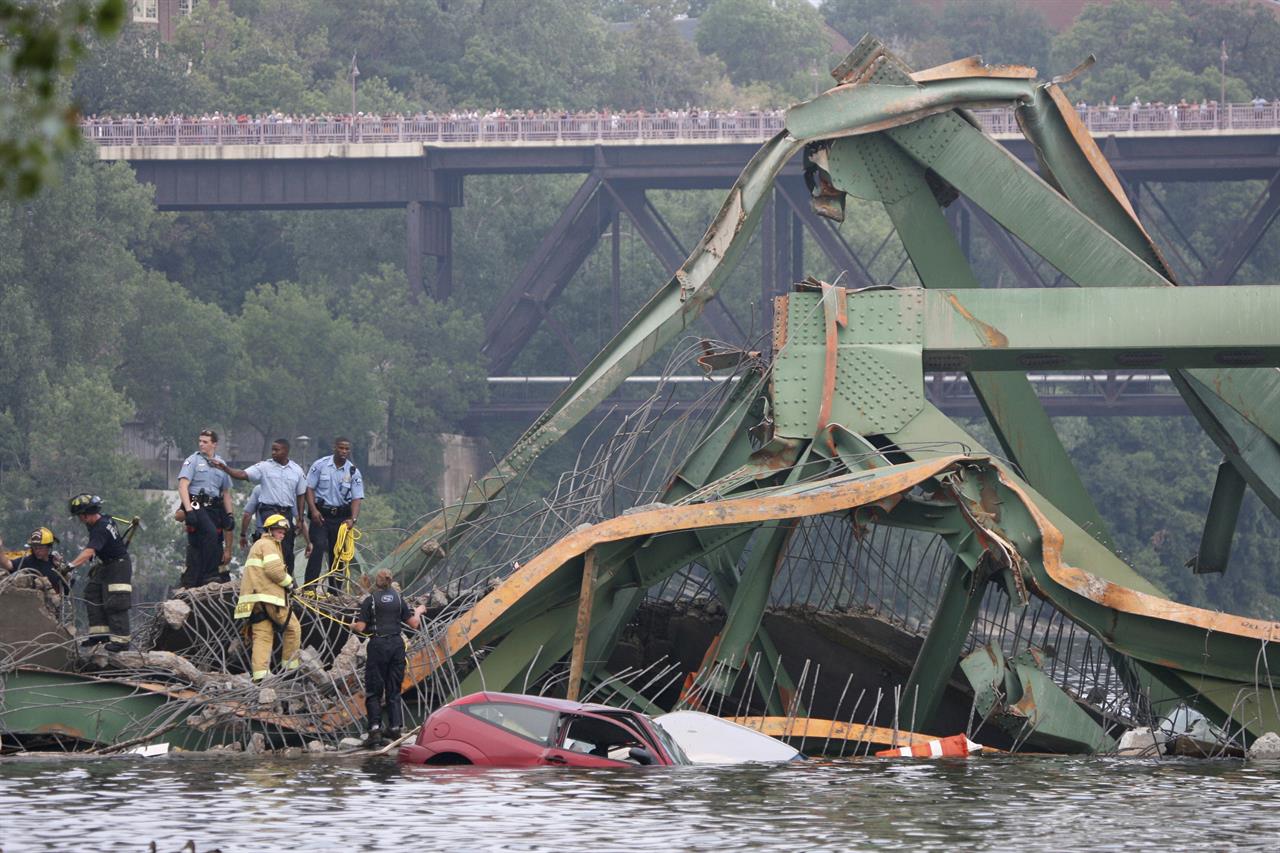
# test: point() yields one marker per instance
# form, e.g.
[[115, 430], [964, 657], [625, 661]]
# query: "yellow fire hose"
[[344, 551]]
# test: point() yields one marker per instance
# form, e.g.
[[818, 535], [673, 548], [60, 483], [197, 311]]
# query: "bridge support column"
[[463, 461], [429, 233]]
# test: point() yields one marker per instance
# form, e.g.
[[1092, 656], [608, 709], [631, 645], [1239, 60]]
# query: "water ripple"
[[995, 803]]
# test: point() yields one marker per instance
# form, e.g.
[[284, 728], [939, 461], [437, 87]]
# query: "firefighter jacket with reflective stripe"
[[265, 578]]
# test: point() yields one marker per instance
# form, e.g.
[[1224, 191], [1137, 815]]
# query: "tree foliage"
[[40, 42], [766, 41]]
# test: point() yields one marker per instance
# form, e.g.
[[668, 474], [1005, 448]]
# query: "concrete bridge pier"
[[465, 459], [429, 232]]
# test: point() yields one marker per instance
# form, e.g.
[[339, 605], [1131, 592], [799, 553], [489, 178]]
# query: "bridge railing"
[[594, 127]]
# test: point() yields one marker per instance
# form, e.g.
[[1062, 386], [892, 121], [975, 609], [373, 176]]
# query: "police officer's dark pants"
[[264, 512], [204, 551], [383, 675], [323, 538], [108, 597]]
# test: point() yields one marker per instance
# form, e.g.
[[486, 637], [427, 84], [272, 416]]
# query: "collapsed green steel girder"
[[536, 632], [1019, 421], [668, 313], [1031, 708], [847, 392], [907, 331]]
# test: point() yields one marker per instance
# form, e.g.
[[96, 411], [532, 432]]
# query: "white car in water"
[[708, 739]]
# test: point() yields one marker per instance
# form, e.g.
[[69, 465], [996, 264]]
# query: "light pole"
[[303, 442], [1222, 95], [355, 72]]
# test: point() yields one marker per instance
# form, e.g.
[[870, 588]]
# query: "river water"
[[239, 804]]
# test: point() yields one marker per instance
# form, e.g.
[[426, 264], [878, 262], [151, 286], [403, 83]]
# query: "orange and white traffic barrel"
[[955, 746]]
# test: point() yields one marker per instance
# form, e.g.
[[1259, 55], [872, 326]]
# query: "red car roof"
[[536, 701]]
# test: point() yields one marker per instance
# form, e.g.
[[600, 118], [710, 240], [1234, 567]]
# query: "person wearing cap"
[[281, 488], [383, 612], [205, 493], [40, 559], [109, 593], [335, 489], [264, 599]]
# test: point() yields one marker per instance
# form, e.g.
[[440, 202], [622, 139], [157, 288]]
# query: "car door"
[[584, 739], [508, 734]]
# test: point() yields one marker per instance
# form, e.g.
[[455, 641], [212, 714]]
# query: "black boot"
[[90, 642], [117, 647], [393, 733], [374, 739]]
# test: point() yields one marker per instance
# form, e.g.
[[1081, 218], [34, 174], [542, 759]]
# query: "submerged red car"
[[514, 730]]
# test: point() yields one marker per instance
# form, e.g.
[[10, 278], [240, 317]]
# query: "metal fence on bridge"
[[616, 128]]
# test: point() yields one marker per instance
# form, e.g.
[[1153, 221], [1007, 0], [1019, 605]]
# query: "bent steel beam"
[[558, 256], [1014, 533], [671, 310], [662, 242]]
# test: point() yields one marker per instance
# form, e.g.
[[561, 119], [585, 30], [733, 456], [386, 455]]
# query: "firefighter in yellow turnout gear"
[[264, 592]]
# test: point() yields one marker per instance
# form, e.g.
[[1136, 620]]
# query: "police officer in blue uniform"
[[205, 492], [335, 489], [383, 612], [109, 593], [281, 489]]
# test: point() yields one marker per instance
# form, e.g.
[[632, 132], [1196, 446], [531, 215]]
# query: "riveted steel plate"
[[871, 167], [928, 138], [879, 383]]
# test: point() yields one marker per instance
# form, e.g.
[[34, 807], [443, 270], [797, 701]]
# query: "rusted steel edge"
[[834, 113], [831, 317], [973, 66], [827, 496], [813, 727], [1093, 154], [1111, 595]]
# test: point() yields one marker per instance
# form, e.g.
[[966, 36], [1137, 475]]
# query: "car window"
[[535, 724], [673, 749], [600, 737]]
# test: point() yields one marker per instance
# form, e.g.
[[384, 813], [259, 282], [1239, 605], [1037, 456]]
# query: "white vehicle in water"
[[708, 739]]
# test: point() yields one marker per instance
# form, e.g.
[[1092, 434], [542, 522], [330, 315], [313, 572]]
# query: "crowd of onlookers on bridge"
[[277, 117], [499, 124]]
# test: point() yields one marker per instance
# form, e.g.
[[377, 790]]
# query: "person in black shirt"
[[383, 612], [40, 559], [109, 593]]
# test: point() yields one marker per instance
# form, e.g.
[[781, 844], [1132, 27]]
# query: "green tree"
[[76, 260], [534, 53], [900, 25], [1171, 53], [1154, 477], [780, 42], [40, 43], [309, 370], [137, 73], [220, 256], [430, 366], [1001, 31], [186, 370], [658, 68], [1251, 33]]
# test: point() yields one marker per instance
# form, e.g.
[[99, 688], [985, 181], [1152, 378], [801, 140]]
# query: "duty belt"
[[272, 508], [334, 511], [202, 501]]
